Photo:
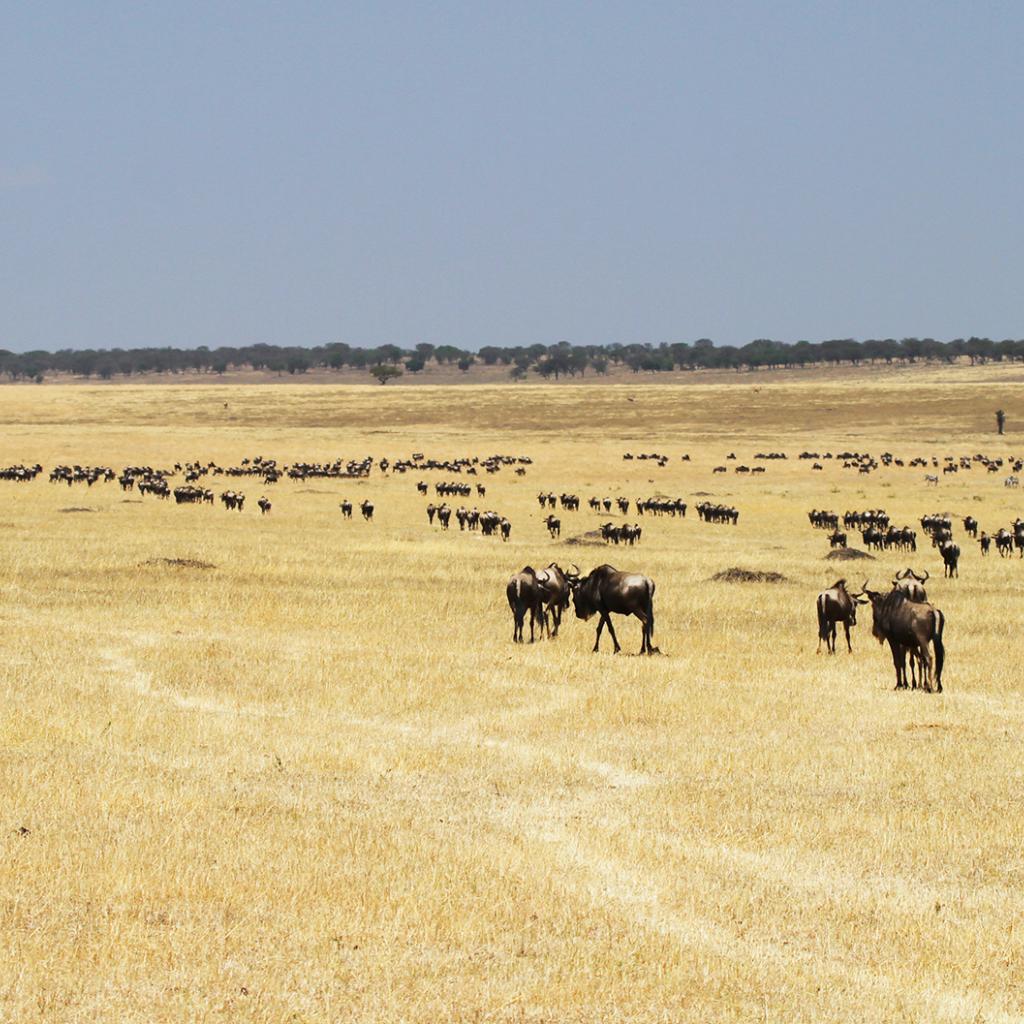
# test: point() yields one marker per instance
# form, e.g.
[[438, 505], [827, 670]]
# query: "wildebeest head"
[[584, 596]]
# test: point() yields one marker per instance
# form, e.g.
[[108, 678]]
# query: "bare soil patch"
[[735, 575], [180, 563]]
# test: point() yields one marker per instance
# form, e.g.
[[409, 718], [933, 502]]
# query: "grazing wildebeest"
[[555, 593], [835, 605], [950, 552], [346, 508], [911, 584], [554, 526], [909, 627], [837, 539], [606, 590], [524, 595], [264, 505]]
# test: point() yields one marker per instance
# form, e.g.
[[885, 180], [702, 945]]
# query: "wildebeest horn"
[[575, 570], [900, 575], [921, 579]]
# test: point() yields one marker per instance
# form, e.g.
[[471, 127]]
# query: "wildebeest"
[[911, 584], [524, 595], [837, 539], [985, 541], [1004, 542], [366, 507], [971, 526], [950, 552], [607, 591], [554, 526], [909, 627], [835, 605], [346, 508], [555, 592], [264, 505], [506, 528]]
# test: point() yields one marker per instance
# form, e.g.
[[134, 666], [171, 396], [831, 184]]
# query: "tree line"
[[555, 361]]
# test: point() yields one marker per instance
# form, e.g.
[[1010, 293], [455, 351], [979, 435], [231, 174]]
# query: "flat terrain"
[[315, 781]]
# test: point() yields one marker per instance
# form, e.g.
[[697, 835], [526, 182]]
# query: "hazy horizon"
[[478, 175]]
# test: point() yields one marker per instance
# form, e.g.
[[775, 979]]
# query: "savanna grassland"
[[315, 781]]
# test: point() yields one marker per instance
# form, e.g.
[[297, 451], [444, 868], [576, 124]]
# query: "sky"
[[204, 173]]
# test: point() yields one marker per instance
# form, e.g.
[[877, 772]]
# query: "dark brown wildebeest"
[[264, 505], [555, 593], [444, 515], [909, 627], [837, 539], [505, 527], [554, 526], [431, 509], [1004, 542], [911, 584], [605, 591], [835, 605], [346, 508], [985, 541], [524, 595], [971, 526], [366, 507], [950, 552]]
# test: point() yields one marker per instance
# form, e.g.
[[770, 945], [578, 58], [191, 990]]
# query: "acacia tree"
[[384, 373]]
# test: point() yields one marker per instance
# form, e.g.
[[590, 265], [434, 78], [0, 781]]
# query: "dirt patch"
[[848, 555], [76, 508], [131, 501], [588, 539], [180, 563], [749, 576]]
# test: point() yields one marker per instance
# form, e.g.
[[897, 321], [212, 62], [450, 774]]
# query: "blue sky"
[[217, 173]]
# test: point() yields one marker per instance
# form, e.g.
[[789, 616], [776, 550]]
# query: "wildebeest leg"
[[899, 663], [611, 630], [831, 643], [846, 626], [926, 667]]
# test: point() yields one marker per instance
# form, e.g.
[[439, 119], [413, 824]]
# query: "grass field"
[[317, 782]]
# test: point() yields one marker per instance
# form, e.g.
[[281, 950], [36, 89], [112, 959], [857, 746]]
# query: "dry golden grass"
[[318, 782]]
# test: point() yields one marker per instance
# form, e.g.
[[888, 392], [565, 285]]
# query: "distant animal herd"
[[902, 617]]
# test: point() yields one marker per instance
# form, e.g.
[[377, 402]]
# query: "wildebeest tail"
[[940, 649], [650, 608], [822, 619]]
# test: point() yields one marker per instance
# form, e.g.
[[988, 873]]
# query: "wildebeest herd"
[[902, 616]]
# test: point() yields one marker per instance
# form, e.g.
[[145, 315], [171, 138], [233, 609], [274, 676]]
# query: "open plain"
[[292, 768]]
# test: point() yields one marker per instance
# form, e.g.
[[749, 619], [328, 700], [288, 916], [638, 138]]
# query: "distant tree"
[[518, 372], [465, 363], [448, 353], [414, 364], [600, 365], [425, 351], [385, 372]]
